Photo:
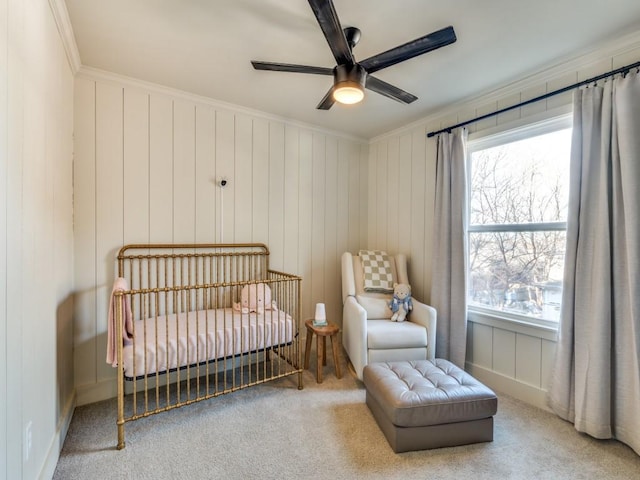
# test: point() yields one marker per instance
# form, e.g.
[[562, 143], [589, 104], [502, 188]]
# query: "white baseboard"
[[49, 466], [500, 383]]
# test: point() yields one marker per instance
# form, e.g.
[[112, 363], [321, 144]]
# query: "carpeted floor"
[[275, 431]]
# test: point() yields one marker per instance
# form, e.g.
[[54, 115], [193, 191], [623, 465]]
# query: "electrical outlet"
[[27, 440]]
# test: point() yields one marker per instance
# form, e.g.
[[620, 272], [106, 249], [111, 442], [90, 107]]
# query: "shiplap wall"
[[147, 161], [515, 360], [36, 239], [401, 195]]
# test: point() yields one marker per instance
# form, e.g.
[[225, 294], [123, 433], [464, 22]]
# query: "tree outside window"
[[517, 224]]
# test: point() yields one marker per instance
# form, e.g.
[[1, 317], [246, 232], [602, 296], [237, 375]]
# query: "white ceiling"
[[205, 47]]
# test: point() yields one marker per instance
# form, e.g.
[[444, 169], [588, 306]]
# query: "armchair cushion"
[[383, 335], [376, 307]]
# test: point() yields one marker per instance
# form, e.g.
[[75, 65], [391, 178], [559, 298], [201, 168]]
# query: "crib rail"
[[190, 338]]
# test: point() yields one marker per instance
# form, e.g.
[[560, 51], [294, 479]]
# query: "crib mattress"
[[169, 342]]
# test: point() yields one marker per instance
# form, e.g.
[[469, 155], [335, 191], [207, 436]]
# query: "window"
[[519, 186]]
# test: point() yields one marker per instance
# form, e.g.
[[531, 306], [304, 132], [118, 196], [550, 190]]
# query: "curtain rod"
[[622, 70]]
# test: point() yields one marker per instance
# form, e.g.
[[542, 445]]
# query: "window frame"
[[493, 138]]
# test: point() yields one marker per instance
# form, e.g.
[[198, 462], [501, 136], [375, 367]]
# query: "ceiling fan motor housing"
[[349, 75]]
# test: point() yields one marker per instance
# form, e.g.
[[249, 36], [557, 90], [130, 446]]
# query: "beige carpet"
[[275, 431]]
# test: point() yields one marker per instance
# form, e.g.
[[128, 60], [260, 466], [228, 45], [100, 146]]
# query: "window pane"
[[526, 181], [519, 189], [517, 272]]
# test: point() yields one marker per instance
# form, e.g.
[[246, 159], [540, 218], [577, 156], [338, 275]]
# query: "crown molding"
[[61, 17], [565, 65], [109, 77]]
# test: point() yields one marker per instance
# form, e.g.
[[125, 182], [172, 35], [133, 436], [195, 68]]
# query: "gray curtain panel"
[[449, 288], [596, 379]]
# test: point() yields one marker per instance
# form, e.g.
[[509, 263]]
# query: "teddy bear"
[[255, 298], [401, 303]]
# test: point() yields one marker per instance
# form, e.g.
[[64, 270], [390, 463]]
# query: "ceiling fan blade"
[[409, 50], [327, 102], [388, 90], [288, 67], [328, 20]]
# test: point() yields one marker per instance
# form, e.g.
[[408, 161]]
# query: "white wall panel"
[[242, 178], [332, 285], [470, 336], [558, 82], [595, 68], [205, 175], [260, 176], [225, 157], [318, 207], [381, 192], [548, 355], [184, 168], [63, 264], [422, 192], [535, 107], [510, 115], [504, 352], [305, 221], [364, 194], [403, 209], [528, 359], [392, 189], [160, 169], [345, 151], [136, 166], [4, 148], [16, 131], [353, 185], [109, 201], [371, 200], [291, 192], [276, 195], [483, 345], [487, 122], [84, 191], [36, 265]]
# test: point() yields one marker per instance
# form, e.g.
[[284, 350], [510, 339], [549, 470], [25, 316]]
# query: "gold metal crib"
[[193, 322]]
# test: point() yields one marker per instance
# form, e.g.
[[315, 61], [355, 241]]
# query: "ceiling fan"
[[350, 77]]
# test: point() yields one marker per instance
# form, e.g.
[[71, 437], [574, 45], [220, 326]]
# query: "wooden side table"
[[329, 330]]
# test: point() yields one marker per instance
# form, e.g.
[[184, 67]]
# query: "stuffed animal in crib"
[[401, 303], [255, 297]]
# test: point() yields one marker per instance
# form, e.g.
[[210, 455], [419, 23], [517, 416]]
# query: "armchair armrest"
[[354, 334], [426, 316], [348, 280]]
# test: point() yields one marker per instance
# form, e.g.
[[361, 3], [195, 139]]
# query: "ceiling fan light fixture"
[[348, 84], [348, 93]]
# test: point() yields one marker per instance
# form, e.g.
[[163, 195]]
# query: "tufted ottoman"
[[423, 404]]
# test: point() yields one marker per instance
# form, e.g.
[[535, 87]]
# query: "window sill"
[[503, 322]]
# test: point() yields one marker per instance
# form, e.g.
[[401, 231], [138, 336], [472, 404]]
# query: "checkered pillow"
[[376, 269]]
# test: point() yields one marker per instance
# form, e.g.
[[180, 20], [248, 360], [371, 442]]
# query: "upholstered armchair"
[[368, 334]]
